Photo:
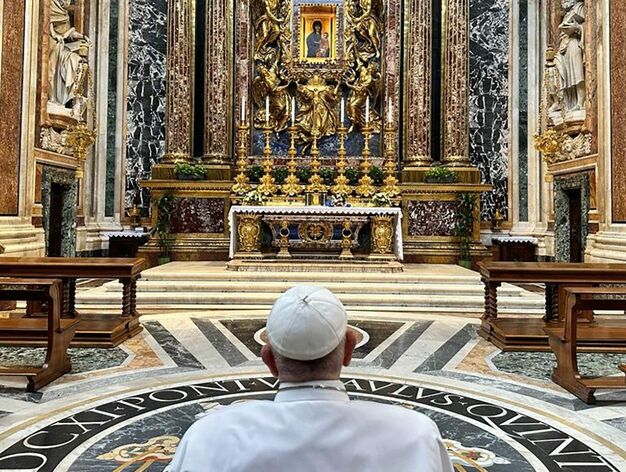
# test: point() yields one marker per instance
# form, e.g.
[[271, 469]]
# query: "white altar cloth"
[[317, 210]]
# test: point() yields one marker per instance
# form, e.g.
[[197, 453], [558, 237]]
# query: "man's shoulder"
[[224, 414], [397, 415]]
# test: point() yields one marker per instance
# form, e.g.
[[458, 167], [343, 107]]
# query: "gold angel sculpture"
[[267, 26], [267, 83], [316, 116], [367, 84], [367, 26]]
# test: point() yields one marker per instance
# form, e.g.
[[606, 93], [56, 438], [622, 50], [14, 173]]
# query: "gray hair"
[[324, 368]]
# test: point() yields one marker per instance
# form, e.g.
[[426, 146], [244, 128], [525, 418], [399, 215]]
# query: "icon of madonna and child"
[[318, 42]]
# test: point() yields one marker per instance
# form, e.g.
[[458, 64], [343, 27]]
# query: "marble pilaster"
[[179, 80], [418, 83], [455, 77], [617, 21], [145, 106], [217, 87]]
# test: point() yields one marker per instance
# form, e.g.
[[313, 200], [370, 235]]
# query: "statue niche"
[[67, 63], [570, 60]]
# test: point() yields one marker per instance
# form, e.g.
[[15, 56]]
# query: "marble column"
[[179, 81], [617, 24], [591, 36], [418, 83], [455, 77], [218, 88]]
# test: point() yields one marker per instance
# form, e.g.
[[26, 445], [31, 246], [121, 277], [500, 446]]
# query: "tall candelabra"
[[242, 182], [341, 186], [366, 183], [390, 186], [316, 183], [268, 183], [292, 187]]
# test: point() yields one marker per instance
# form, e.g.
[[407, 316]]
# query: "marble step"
[[336, 287], [473, 303]]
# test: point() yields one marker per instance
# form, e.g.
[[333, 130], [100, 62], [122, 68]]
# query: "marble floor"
[[126, 408]]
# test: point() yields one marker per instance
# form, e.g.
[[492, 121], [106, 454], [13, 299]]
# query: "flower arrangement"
[[255, 172], [280, 174], [440, 174], [377, 174], [253, 198], [352, 174], [381, 199], [185, 171]]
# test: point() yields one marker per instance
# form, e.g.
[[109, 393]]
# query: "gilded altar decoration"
[[346, 240], [143, 455], [341, 188], [242, 181], [318, 52], [316, 232], [80, 138], [268, 182], [382, 236], [283, 241], [249, 233], [291, 187]]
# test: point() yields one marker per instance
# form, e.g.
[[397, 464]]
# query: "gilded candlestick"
[[268, 183], [242, 182], [390, 186], [292, 186], [316, 183], [341, 186], [366, 183]]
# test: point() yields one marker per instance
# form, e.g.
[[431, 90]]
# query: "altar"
[[315, 232]]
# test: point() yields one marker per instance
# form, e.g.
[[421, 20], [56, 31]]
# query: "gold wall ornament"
[[249, 233], [291, 187], [367, 27], [268, 87], [342, 185], [268, 185], [80, 139], [549, 143], [366, 187], [316, 116], [382, 237], [242, 182]]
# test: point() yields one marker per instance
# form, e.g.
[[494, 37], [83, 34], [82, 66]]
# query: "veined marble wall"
[[489, 97], [146, 95]]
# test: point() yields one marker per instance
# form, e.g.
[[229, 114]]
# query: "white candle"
[[390, 112], [267, 110], [243, 110], [293, 111], [367, 111], [343, 110]]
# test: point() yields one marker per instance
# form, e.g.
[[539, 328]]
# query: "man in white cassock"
[[311, 425]]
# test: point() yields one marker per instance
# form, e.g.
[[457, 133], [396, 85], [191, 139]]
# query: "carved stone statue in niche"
[[316, 116], [367, 84], [67, 63], [570, 59], [553, 90]]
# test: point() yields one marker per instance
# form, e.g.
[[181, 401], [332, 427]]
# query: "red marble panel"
[[11, 104], [617, 19], [198, 215]]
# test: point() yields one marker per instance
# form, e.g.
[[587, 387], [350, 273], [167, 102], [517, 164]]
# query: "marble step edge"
[[167, 298], [352, 287], [235, 310], [365, 277]]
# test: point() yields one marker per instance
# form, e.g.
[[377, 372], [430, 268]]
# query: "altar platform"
[[437, 289]]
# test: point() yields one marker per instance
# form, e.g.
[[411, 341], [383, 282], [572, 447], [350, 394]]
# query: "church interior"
[[451, 169]]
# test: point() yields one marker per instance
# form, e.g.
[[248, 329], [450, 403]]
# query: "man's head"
[[317, 26], [308, 338]]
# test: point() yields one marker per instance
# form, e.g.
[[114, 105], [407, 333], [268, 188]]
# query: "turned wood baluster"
[[68, 309], [491, 300], [128, 297], [552, 303]]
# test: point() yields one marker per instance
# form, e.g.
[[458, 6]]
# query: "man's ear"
[[268, 358], [349, 346]]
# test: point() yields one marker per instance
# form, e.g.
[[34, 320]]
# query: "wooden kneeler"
[[60, 331]]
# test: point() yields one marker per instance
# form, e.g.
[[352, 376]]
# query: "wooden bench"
[[57, 331], [94, 330], [525, 333], [565, 337]]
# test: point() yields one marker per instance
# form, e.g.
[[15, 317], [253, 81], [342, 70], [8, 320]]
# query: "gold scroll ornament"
[[382, 236], [249, 232]]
